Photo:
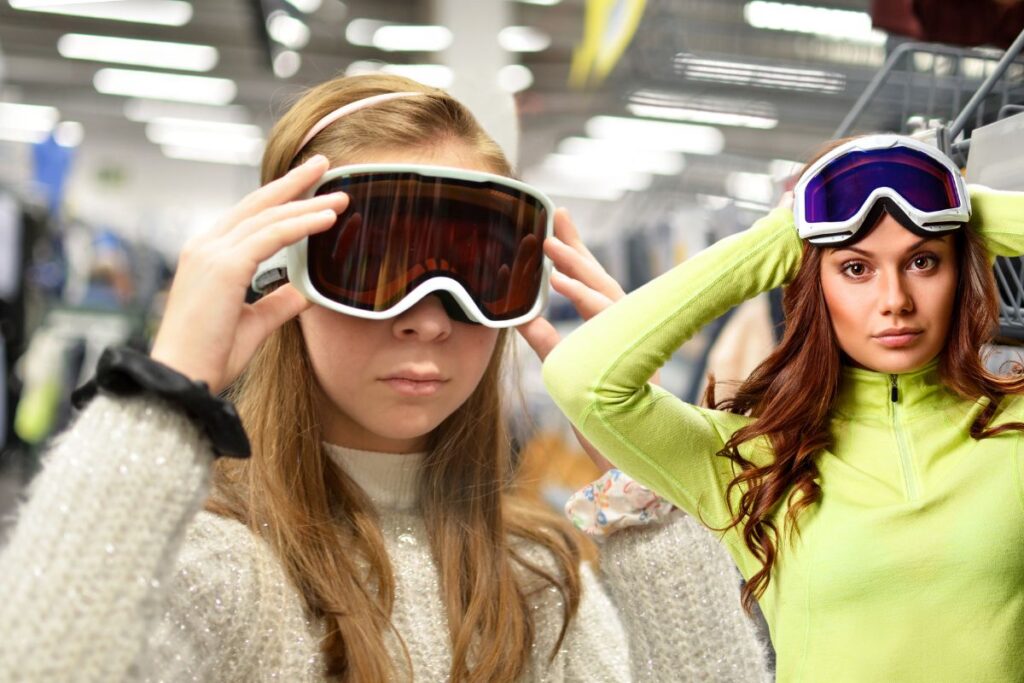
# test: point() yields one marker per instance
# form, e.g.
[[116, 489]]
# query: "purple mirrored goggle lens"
[[838, 191]]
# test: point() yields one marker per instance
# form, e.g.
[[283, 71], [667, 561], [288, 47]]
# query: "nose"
[[426, 321], [896, 298]]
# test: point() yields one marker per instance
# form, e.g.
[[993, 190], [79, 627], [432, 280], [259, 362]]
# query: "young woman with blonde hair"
[[373, 534], [867, 476]]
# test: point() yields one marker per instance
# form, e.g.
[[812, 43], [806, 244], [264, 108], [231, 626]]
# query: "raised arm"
[[598, 375]]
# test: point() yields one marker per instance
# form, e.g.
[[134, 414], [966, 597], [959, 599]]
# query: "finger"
[[336, 201], [786, 201], [541, 335], [588, 302], [286, 188], [565, 230], [580, 267], [269, 241]]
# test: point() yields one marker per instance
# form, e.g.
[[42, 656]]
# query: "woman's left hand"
[[582, 280]]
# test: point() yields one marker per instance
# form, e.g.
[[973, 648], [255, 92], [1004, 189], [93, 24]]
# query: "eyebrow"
[[916, 245]]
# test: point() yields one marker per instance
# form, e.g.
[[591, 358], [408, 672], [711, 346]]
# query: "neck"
[[390, 480]]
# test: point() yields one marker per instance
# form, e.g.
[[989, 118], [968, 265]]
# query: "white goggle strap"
[[270, 272]]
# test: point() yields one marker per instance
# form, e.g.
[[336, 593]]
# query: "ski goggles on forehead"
[[413, 230], [843, 194]]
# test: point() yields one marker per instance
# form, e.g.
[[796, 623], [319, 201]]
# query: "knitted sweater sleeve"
[[595, 647], [598, 374], [678, 595], [85, 574]]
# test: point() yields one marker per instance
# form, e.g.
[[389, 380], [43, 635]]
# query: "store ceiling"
[[665, 56]]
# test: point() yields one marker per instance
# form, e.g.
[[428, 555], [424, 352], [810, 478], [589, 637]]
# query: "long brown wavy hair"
[[321, 525], [792, 394]]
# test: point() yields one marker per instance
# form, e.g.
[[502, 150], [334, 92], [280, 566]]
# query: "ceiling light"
[[213, 134], [159, 12], [725, 111], [622, 155], [514, 78], [435, 75], [32, 137], [144, 110], [288, 30], [181, 56], [750, 187], [759, 75], [69, 133], [703, 116], [287, 63], [546, 3], [305, 6], [644, 133], [558, 185], [820, 21], [201, 89], [218, 156], [360, 31], [28, 117], [589, 169], [523, 39], [396, 38]]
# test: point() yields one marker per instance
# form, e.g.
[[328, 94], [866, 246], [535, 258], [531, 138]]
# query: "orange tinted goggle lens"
[[402, 229]]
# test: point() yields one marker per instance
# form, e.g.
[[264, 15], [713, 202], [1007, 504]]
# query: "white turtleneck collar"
[[391, 480]]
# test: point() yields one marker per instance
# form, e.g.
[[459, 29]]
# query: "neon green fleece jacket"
[[911, 567]]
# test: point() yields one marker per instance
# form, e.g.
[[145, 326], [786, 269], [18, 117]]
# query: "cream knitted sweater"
[[114, 573]]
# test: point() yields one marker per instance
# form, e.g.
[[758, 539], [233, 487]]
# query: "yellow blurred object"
[[609, 26]]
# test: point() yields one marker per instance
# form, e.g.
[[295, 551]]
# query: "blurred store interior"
[[128, 125]]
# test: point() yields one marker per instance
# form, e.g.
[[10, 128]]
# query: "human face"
[[890, 297], [387, 384]]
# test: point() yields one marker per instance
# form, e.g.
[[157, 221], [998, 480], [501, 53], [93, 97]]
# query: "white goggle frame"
[[841, 231], [290, 263]]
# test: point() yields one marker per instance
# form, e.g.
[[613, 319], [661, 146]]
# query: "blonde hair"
[[320, 524]]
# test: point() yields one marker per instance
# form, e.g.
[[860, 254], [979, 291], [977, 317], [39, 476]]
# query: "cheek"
[[473, 351], [845, 306]]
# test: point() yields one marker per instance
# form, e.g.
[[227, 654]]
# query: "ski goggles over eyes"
[[846, 190], [412, 230]]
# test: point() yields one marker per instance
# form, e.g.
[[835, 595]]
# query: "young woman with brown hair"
[[373, 534], [866, 478]]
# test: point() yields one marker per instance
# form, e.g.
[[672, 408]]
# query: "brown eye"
[[924, 262], [854, 269]]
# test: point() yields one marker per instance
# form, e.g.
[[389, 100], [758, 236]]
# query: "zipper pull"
[[895, 395]]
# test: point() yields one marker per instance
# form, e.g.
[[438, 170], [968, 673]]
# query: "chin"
[[898, 364]]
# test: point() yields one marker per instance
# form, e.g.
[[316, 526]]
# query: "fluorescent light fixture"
[[288, 30], [180, 56], [759, 75], [836, 24], [713, 202], [217, 156], [143, 110], [559, 185], [69, 133], [159, 12], [212, 134], [361, 31], [585, 169], [623, 155], [305, 6], [545, 3], [28, 117], [200, 89], [287, 63], [644, 133], [21, 135], [703, 116], [514, 78], [523, 39], [397, 38], [750, 187], [435, 75]]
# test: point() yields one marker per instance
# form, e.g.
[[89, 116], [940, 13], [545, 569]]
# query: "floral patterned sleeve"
[[614, 502]]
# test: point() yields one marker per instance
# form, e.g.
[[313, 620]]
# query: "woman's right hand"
[[208, 332]]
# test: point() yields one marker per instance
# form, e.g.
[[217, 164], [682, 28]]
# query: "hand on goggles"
[[412, 230], [847, 188], [208, 332]]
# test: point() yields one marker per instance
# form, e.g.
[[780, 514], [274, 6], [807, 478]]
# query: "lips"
[[415, 383], [897, 337]]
